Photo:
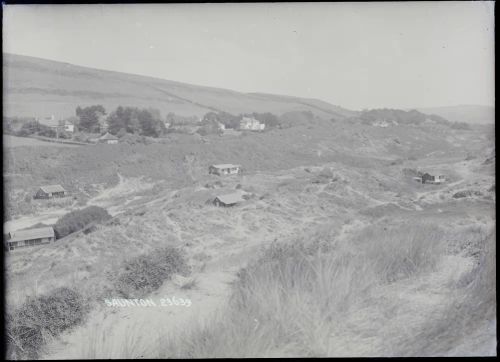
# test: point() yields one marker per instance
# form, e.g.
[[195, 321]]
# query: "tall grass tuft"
[[289, 301]]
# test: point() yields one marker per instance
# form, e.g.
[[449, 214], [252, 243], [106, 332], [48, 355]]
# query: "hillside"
[[465, 113], [341, 184], [35, 87]]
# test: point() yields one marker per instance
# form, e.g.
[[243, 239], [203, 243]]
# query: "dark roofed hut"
[[228, 200], [50, 191]]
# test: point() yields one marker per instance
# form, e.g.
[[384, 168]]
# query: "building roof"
[[231, 198], [249, 119], [52, 188], [29, 234], [108, 136], [225, 165]]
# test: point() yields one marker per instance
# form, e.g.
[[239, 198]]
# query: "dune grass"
[[290, 301]]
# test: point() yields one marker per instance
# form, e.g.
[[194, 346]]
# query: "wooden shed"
[[29, 237], [229, 199], [50, 191]]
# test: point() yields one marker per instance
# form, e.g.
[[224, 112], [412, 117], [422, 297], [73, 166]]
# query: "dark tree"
[[88, 117]]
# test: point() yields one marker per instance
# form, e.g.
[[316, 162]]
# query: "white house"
[[224, 169], [68, 127], [251, 124]]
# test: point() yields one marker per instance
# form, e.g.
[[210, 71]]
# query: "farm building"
[[224, 169], [29, 237], [251, 124], [50, 191], [430, 179], [109, 139], [229, 200]]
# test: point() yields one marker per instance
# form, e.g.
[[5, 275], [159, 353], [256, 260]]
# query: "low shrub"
[[40, 318], [80, 219], [145, 273]]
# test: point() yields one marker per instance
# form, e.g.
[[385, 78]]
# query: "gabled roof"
[[52, 188], [225, 165], [29, 234], [231, 198], [108, 136], [249, 119]]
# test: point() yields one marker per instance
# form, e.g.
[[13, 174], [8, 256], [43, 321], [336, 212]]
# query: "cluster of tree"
[[269, 119], [296, 118], [90, 118], [36, 128], [408, 117], [80, 219], [144, 122], [178, 120], [460, 125], [397, 115]]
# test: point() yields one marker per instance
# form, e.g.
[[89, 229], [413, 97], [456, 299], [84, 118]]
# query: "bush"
[[41, 317], [460, 125], [80, 219], [146, 273]]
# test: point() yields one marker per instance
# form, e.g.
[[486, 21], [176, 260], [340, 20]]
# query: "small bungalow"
[[109, 139], [229, 200], [29, 237], [50, 191], [431, 179], [224, 169]]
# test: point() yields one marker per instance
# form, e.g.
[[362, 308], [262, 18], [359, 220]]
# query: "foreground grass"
[[39, 319], [314, 299]]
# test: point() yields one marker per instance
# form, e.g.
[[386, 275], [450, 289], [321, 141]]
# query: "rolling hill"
[[35, 87]]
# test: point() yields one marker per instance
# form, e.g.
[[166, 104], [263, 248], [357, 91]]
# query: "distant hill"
[[35, 87], [464, 113]]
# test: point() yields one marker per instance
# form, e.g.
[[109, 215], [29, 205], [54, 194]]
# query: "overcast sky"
[[357, 55]]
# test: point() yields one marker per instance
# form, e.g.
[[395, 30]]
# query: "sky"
[[356, 55]]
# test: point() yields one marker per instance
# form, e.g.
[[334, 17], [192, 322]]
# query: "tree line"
[[138, 121]]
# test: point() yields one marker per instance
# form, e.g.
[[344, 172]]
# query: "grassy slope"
[[178, 156], [39, 87], [290, 204]]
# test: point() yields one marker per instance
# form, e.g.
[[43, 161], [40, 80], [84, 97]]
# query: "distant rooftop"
[[225, 165], [29, 234], [231, 198], [52, 188], [108, 136]]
